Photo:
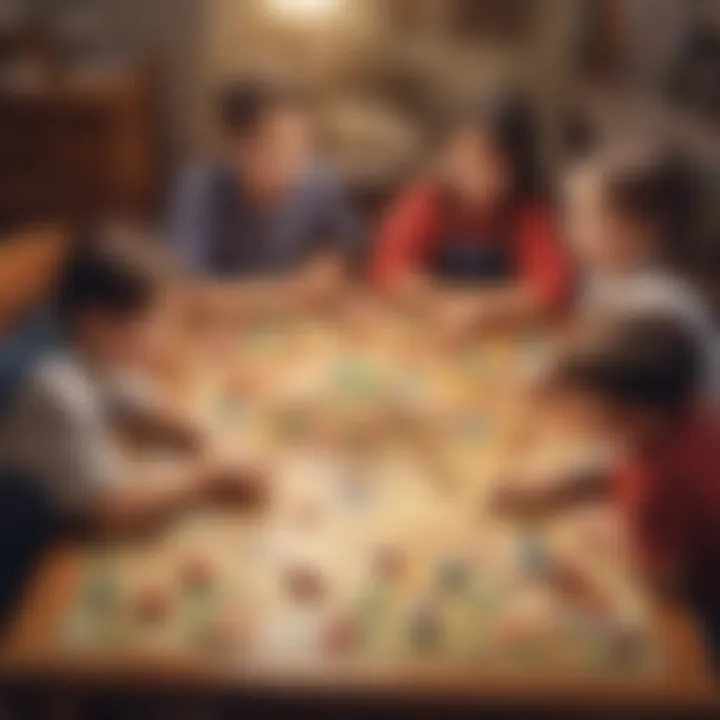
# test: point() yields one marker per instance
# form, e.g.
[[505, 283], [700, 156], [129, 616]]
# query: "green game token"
[[372, 611], [453, 574], [425, 628], [100, 591], [289, 424], [355, 379]]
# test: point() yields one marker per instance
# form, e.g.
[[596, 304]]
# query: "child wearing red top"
[[636, 385], [478, 219]]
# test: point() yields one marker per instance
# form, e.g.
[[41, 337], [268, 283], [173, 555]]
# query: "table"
[[378, 568]]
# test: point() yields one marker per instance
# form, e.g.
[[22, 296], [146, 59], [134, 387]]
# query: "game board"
[[379, 546]]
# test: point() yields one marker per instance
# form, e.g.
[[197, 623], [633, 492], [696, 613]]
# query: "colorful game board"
[[379, 546]]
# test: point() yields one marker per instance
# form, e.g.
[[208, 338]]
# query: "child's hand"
[[518, 501], [236, 484], [320, 283], [574, 583], [456, 321]]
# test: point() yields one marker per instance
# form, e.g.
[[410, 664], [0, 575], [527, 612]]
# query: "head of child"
[[626, 208], [112, 305], [630, 384], [488, 159], [265, 124]]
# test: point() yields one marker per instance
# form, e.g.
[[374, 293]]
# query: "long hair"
[[508, 118]]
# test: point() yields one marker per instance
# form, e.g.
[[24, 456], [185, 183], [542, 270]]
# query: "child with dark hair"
[[479, 219], [632, 220], [266, 208], [635, 385], [57, 440]]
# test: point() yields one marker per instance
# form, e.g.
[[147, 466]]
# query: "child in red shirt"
[[478, 219], [636, 385]]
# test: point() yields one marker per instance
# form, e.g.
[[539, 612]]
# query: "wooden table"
[[32, 655]]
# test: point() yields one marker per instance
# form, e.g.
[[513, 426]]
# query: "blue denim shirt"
[[216, 231]]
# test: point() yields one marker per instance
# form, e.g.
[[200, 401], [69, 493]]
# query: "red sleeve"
[[542, 263], [406, 235]]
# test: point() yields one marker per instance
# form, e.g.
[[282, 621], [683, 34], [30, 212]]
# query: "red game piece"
[[152, 604], [574, 584], [340, 636], [226, 633], [390, 562], [197, 573], [305, 583]]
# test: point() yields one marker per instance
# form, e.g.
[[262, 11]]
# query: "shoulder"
[[58, 384], [665, 292], [199, 179]]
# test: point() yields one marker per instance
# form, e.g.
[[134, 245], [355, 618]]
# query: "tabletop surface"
[[378, 565]]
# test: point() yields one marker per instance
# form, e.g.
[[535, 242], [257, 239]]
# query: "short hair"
[[654, 185], [107, 274], [650, 363], [245, 102]]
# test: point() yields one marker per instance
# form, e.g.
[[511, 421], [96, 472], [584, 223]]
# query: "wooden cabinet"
[[75, 150]]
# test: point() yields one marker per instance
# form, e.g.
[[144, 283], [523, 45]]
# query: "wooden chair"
[[29, 263]]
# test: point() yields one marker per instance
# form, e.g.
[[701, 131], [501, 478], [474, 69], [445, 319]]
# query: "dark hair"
[[658, 187], [511, 123], [116, 279], [651, 363], [244, 103]]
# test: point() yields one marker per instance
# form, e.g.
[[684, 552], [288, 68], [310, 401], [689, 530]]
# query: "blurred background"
[[102, 100]]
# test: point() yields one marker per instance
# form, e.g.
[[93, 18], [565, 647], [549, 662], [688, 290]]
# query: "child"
[[479, 220], [59, 462], [630, 215], [635, 385]]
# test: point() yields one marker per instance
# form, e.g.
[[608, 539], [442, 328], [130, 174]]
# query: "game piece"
[[152, 604], [534, 556], [453, 573], [227, 633], [425, 627], [390, 563], [354, 378], [289, 423], [305, 583], [627, 645], [574, 584], [340, 636], [197, 574], [100, 592]]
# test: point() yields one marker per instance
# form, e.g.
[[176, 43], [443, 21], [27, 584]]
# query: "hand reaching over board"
[[237, 483]]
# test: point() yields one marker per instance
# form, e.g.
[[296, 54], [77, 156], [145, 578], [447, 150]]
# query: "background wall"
[[382, 67], [168, 32]]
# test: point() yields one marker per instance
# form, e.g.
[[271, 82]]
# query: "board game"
[[378, 546]]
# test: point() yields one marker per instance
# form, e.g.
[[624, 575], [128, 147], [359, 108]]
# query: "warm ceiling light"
[[302, 9]]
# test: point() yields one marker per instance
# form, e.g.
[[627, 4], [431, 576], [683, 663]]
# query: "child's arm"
[[90, 481], [159, 424], [553, 496], [144, 415], [132, 506], [406, 236]]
